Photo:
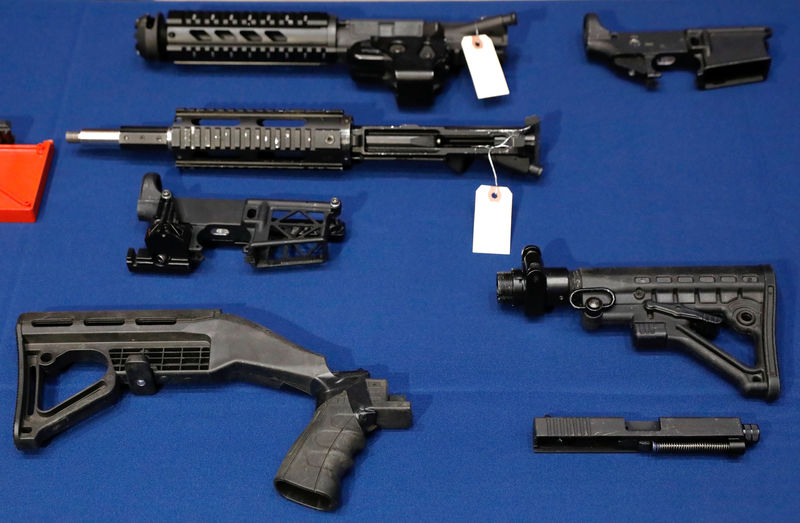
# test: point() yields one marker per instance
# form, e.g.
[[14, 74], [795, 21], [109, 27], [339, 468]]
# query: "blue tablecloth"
[[675, 176]]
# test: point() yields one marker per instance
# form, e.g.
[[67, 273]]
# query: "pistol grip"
[[312, 470]]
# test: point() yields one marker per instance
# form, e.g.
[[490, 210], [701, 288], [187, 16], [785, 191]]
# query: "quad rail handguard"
[[271, 233], [680, 307], [144, 350], [295, 139], [414, 58]]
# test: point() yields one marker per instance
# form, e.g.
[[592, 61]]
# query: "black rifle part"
[[680, 307], [146, 349], [412, 57], [271, 232], [320, 140], [6, 137], [665, 436], [722, 57]]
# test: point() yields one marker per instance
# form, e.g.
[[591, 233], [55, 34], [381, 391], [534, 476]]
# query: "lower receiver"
[[681, 307], [271, 232], [722, 56], [666, 436], [146, 349]]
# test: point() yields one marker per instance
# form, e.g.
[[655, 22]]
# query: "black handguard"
[[681, 307], [271, 233], [412, 57], [722, 56], [146, 349], [297, 139]]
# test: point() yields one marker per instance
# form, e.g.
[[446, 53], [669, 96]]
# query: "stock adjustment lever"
[[681, 311]]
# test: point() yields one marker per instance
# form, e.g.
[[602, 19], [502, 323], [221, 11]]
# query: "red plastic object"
[[23, 173]]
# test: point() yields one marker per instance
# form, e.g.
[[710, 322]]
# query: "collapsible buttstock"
[[679, 307], [746, 307]]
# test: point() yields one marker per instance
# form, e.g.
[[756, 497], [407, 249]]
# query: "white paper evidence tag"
[[491, 233], [484, 66]]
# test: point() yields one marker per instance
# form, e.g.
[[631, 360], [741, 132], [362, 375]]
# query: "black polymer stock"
[[412, 57], [319, 140], [722, 56], [271, 232], [678, 307], [143, 350]]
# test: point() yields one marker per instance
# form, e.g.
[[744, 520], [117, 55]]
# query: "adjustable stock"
[[146, 349], [679, 307]]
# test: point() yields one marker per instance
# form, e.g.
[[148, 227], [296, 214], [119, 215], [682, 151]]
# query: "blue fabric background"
[[678, 176]]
